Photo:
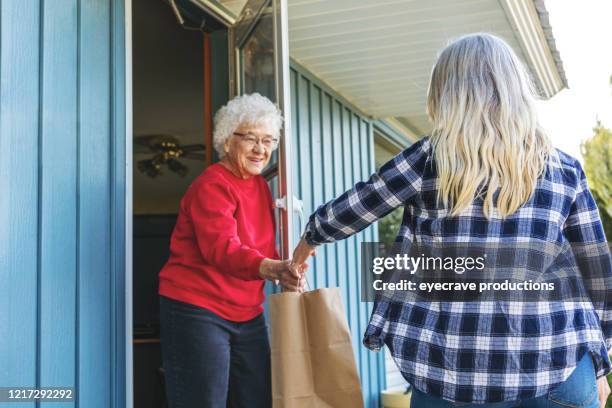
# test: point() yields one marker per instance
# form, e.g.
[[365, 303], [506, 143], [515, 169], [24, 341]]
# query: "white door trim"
[[129, 358]]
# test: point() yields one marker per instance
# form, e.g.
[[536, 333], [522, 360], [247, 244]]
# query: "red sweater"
[[224, 229]]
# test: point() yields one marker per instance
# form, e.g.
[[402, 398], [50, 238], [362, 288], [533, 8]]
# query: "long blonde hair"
[[485, 131]]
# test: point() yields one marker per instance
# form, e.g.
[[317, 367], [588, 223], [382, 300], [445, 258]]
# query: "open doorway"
[[180, 78], [189, 57]]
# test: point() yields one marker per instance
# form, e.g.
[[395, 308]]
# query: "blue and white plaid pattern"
[[480, 352]]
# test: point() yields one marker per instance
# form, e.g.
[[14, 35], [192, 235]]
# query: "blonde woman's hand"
[[300, 254], [603, 390], [279, 272]]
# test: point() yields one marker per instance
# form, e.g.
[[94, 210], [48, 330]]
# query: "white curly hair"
[[251, 109]]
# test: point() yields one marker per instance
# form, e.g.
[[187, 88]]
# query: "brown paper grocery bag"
[[312, 355]]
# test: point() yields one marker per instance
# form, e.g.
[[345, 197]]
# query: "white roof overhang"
[[379, 54]]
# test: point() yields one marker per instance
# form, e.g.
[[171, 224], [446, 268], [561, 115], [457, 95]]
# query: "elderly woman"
[[487, 173], [214, 337]]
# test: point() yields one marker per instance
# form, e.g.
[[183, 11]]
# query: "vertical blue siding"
[[19, 175], [350, 141], [329, 253], [94, 201], [57, 193], [334, 150], [62, 166]]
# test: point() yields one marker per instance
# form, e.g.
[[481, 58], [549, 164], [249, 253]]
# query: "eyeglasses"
[[269, 143]]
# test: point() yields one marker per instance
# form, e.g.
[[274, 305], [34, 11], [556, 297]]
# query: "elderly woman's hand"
[[280, 272]]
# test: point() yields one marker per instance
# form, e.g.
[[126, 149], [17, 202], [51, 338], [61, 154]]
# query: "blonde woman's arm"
[[394, 185]]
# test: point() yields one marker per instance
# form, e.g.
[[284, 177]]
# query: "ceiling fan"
[[166, 150]]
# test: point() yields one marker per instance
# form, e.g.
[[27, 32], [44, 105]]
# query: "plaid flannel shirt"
[[480, 352]]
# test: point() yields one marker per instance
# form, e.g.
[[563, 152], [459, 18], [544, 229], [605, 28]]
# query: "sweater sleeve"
[[393, 185], [584, 231], [211, 210]]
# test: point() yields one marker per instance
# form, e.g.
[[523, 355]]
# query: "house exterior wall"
[[333, 149], [62, 169], [63, 207]]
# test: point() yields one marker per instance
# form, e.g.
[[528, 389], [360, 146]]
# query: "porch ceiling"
[[378, 54]]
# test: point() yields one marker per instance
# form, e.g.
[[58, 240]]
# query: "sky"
[[583, 34]]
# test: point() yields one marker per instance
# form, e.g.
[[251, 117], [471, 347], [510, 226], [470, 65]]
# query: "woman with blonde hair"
[[486, 174]]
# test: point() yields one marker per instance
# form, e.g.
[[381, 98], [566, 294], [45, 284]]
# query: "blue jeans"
[[210, 362], [578, 391]]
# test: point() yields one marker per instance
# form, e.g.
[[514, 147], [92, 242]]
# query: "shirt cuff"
[[252, 272], [309, 234]]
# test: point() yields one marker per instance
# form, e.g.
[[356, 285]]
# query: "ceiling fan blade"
[[194, 156], [178, 167], [192, 147], [152, 141]]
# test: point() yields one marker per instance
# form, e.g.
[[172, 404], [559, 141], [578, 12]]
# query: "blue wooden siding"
[[333, 149], [62, 166]]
